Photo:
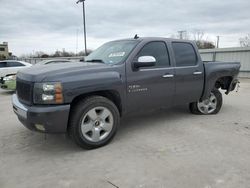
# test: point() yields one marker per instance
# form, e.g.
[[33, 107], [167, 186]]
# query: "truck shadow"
[[24, 140], [6, 92], [56, 144], [148, 119]]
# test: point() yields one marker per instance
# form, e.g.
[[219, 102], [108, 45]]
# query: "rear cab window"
[[185, 54]]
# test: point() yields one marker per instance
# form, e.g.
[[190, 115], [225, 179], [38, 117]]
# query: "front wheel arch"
[[112, 95]]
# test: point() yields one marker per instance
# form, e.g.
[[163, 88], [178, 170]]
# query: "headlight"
[[9, 78], [48, 93]]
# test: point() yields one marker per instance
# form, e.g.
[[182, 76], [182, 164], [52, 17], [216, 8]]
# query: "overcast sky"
[[48, 25]]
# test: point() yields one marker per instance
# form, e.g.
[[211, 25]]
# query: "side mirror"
[[145, 61]]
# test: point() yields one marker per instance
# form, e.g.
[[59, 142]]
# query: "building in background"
[[239, 54], [4, 51]]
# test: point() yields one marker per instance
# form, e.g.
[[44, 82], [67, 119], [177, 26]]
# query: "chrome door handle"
[[168, 76], [197, 72]]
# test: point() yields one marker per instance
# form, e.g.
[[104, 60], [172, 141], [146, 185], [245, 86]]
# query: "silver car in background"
[[52, 61]]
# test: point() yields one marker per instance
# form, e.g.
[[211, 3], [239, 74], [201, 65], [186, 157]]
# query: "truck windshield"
[[112, 52]]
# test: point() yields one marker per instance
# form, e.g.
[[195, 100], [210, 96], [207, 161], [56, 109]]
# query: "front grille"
[[24, 91]]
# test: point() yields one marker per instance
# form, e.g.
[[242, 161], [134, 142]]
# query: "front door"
[[151, 87]]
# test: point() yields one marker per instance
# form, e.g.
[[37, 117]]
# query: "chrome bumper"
[[18, 107]]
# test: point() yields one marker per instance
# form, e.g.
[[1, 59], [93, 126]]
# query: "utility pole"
[[218, 41], [181, 33], [76, 41], [84, 24]]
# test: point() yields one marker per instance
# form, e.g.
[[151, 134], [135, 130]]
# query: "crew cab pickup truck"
[[87, 99]]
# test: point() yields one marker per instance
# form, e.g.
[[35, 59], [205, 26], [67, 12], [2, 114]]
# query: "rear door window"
[[185, 54]]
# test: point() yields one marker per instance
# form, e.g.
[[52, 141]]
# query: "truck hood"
[[55, 72]]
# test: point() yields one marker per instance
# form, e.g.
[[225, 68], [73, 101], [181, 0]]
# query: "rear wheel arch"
[[223, 82]]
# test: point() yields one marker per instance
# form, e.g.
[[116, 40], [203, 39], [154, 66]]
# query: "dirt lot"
[[170, 148]]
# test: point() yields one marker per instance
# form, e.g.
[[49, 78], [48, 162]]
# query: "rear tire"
[[93, 122], [209, 106]]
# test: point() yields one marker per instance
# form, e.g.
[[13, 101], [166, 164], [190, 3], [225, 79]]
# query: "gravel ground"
[[169, 148]]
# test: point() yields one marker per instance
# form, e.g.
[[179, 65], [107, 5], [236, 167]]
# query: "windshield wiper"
[[95, 60]]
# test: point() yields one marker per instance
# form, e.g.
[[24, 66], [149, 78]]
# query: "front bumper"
[[47, 119]]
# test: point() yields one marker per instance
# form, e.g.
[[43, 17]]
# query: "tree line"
[[202, 41], [57, 53], [199, 36]]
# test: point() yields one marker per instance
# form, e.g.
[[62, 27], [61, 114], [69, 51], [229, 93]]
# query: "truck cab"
[[178, 74]]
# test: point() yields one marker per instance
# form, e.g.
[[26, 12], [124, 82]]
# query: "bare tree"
[[201, 40], [198, 35], [39, 53], [245, 41]]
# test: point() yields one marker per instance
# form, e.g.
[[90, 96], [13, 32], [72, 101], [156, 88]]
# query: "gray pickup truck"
[[87, 99]]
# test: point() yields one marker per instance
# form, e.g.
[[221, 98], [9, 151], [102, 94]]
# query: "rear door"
[[150, 87], [189, 72]]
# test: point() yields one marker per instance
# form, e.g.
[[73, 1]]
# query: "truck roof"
[[154, 39]]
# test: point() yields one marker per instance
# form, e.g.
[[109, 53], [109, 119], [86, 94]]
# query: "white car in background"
[[10, 67]]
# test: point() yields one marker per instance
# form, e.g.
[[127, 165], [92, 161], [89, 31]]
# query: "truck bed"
[[215, 70]]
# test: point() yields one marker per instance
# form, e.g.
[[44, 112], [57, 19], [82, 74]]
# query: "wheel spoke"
[[104, 114], [201, 105], [86, 127], [205, 109], [213, 105], [95, 134], [92, 114], [107, 127]]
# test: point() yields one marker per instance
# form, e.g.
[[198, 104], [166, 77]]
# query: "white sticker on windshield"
[[117, 54]]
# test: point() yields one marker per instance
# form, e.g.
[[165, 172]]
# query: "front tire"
[[93, 122], [211, 105]]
